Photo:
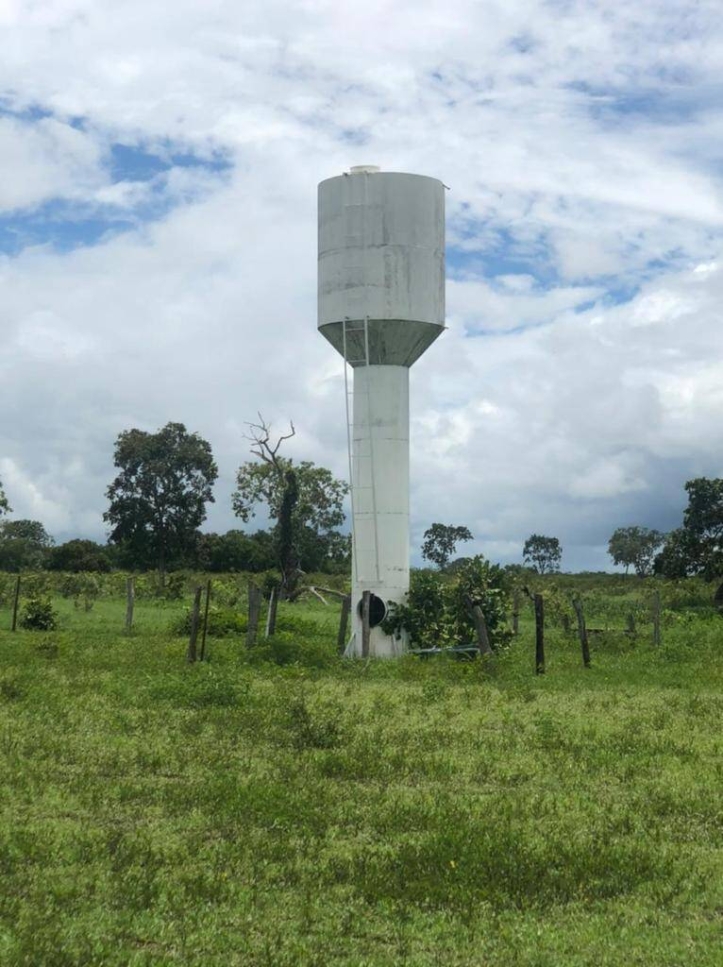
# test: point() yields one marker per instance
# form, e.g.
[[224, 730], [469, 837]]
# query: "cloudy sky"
[[158, 171]]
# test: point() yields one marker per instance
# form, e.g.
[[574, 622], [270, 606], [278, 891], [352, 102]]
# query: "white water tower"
[[381, 304]]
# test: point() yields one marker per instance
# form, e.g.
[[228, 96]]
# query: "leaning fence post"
[[130, 601], [205, 620], [271, 613], [582, 632], [254, 614], [343, 623], [366, 604], [195, 619], [483, 638], [16, 600], [539, 635], [656, 618], [516, 612]]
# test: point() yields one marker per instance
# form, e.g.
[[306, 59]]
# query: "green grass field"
[[244, 812]]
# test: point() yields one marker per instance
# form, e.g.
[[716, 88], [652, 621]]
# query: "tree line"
[[693, 549], [157, 503]]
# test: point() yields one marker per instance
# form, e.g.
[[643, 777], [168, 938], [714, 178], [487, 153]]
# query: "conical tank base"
[[392, 342]]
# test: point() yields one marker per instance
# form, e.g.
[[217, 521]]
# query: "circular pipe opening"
[[377, 610]]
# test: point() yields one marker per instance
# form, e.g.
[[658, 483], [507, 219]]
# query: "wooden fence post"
[[16, 601], [343, 623], [366, 603], [195, 620], [255, 598], [582, 632], [483, 638], [539, 635], [656, 618], [631, 629], [271, 614], [130, 602], [205, 620]]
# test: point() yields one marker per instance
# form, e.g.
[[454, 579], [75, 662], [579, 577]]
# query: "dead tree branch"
[[336, 594], [309, 589], [261, 445]]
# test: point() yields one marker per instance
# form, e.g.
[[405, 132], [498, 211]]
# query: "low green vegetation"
[[281, 806], [437, 611]]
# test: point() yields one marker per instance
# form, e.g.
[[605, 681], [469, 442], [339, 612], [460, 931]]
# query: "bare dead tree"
[[260, 437], [264, 447]]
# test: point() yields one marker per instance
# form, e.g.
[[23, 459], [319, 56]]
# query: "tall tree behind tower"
[[5, 508], [305, 501], [158, 500]]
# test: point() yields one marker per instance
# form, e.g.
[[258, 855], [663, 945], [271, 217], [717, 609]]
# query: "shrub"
[[270, 581], [38, 614], [437, 610], [175, 586], [426, 616], [80, 586], [36, 584], [484, 584], [7, 589], [221, 622]]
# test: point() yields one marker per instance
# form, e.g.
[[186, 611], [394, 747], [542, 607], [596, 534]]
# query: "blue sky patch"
[[500, 252], [669, 104], [31, 113], [60, 225], [65, 224], [130, 162]]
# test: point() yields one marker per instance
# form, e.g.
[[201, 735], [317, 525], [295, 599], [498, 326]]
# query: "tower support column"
[[380, 483]]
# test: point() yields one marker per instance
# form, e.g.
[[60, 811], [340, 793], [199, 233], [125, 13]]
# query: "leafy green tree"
[[543, 554], [636, 547], [703, 525], [78, 555], [24, 544], [329, 552], [679, 557], [304, 501], [5, 508], [158, 500], [440, 543], [319, 506], [236, 551], [287, 548], [697, 547]]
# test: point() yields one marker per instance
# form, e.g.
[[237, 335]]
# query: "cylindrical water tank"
[[381, 264]]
